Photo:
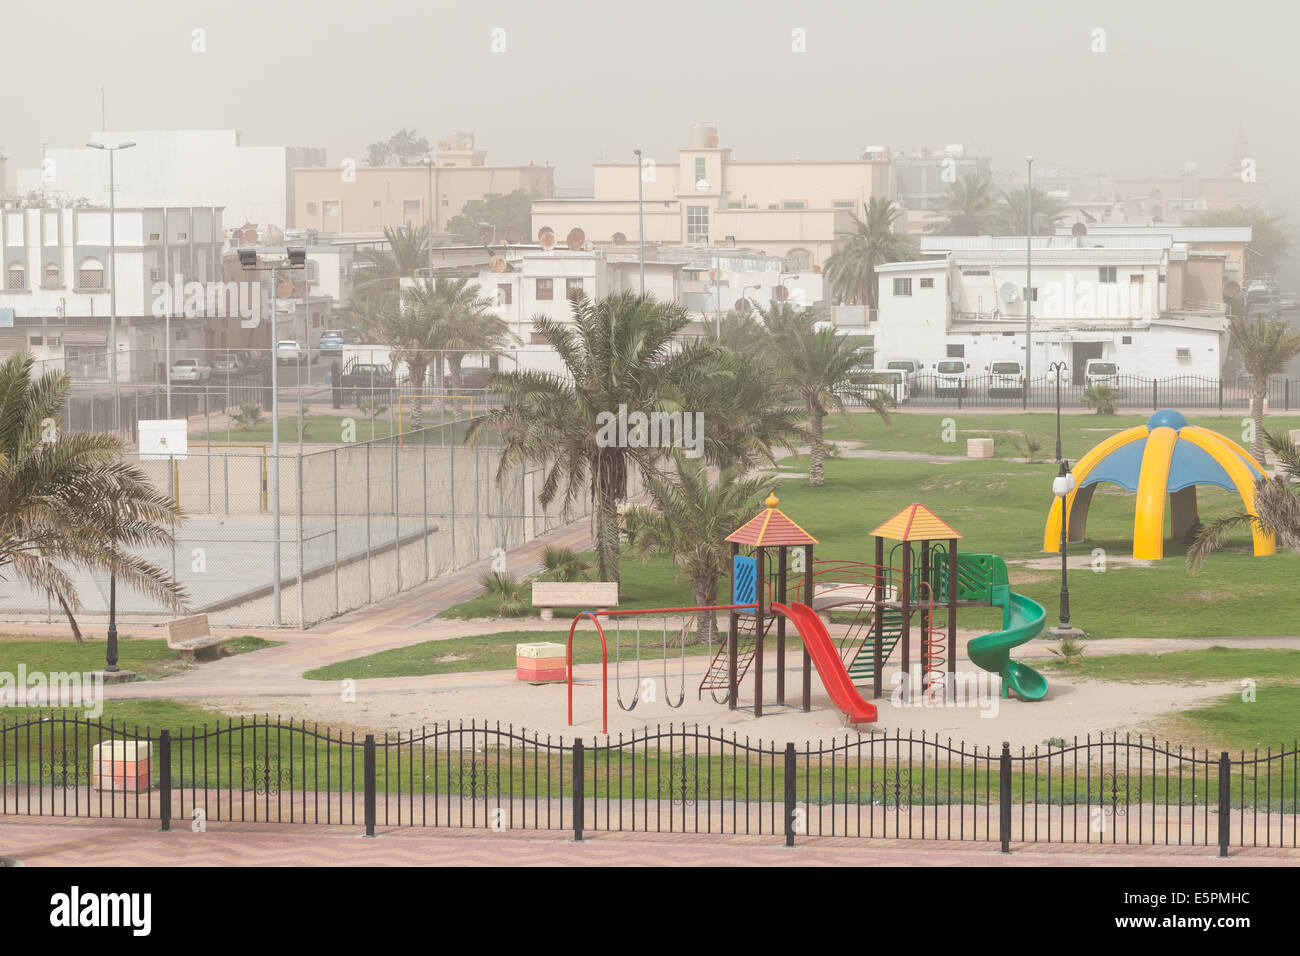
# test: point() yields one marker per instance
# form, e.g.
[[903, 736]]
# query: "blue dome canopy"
[[1167, 417]]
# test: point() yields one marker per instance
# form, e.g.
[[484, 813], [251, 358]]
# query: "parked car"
[[950, 377], [1100, 372], [1288, 301], [892, 384], [288, 353], [360, 380], [331, 344], [1006, 378], [190, 370], [470, 378], [227, 365]]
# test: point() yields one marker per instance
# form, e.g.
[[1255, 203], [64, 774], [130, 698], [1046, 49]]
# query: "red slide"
[[830, 668]]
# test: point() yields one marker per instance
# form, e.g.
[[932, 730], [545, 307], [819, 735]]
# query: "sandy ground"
[[1072, 707]]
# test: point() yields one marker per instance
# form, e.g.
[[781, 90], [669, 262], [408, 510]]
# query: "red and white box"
[[122, 765], [540, 663]]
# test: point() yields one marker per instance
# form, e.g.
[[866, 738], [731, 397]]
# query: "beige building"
[[367, 199], [790, 208]]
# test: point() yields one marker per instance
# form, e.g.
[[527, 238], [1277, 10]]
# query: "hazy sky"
[[582, 80]]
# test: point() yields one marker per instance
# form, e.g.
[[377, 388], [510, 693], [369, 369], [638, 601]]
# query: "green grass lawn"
[[147, 657], [1209, 665], [925, 432]]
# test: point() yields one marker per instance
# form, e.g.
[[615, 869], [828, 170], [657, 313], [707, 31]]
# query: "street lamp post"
[[1058, 368], [640, 220], [1029, 282], [294, 259], [112, 279], [1062, 485]]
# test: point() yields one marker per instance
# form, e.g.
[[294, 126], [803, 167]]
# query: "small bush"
[[248, 416], [1102, 399], [508, 593], [564, 564]]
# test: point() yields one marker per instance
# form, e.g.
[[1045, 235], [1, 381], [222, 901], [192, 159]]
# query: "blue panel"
[[744, 571], [1121, 466], [1167, 417], [1191, 465]]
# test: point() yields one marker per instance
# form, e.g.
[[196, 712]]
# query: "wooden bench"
[[190, 634], [593, 595]]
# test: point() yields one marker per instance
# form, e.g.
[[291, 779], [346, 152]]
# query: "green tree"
[[511, 214], [823, 368], [68, 502], [618, 352], [851, 268], [970, 207], [404, 148], [1265, 345], [1276, 508], [1047, 211], [689, 521], [380, 271]]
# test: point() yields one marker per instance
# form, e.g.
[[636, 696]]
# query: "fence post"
[[789, 794], [1155, 395], [1004, 796], [1220, 393], [579, 789], [1225, 801], [165, 780], [368, 765]]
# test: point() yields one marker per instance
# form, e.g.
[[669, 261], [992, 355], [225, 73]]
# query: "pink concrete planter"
[[540, 663], [125, 765]]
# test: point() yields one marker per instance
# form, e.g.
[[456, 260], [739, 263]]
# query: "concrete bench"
[[593, 595], [190, 634], [979, 447]]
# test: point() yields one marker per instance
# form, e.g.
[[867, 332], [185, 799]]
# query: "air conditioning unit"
[[1184, 353]]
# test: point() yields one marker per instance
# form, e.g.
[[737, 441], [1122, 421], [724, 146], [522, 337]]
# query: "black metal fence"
[[1103, 790], [930, 390]]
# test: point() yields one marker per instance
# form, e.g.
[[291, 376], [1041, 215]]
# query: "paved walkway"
[[71, 842]]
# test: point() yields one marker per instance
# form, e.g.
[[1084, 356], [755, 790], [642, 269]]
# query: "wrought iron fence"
[[1102, 790], [931, 390]]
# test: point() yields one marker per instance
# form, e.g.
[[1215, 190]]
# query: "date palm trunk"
[[1257, 421], [704, 589], [817, 468]]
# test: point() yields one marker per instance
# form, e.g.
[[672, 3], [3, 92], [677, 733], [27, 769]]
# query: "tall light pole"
[[428, 160], [1062, 485], [294, 259], [1058, 368], [1029, 282], [640, 220], [112, 278]]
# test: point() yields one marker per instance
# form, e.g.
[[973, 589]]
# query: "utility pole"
[[1029, 282], [640, 220]]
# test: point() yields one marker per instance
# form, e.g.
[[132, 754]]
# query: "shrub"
[[508, 593], [1101, 399]]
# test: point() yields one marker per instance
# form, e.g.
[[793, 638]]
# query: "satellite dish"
[[1009, 292], [1231, 289], [817, 270], [1079, 229], [575, 239], [546, 240], [284, 289], [780, 293], [619, 238], [543, 231], [497, 264], [743, 306]]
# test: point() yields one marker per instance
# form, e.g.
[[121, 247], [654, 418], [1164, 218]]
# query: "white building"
[[1122, 299], [56, 282], [182, 167]]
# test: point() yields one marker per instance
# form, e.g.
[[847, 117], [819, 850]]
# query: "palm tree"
[[1276, 508], [467, 322], [619, 352], [969, 208], [1047, 212], [69, 502], [851, 268], [1265, 345], [690, 521], [383, 269], [823, 368]]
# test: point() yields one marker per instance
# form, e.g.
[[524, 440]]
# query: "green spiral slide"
[[983, 577]]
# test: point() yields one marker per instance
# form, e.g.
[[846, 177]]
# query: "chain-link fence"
[[359, 520]]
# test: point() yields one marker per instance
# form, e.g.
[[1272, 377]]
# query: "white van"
[[1006, 378], [892, 383], [1100, 372], [950, 377]]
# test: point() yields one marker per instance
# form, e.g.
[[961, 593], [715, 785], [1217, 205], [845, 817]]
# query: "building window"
[[956, 351], [1126, 340], [537, 338], [411, 210], [697, 224], [699, 168], [15, 277], [505, 295], [572, 287], [375, 204], [927, 282], [331, 207], [800, 260], [1106, 274], [793, 204], [975, 272], [1136, 279], [844, 204], [545, 289], [312, 207], [90, 275], [36, 340], [903, 286], [1033, 293], [51, 276]]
